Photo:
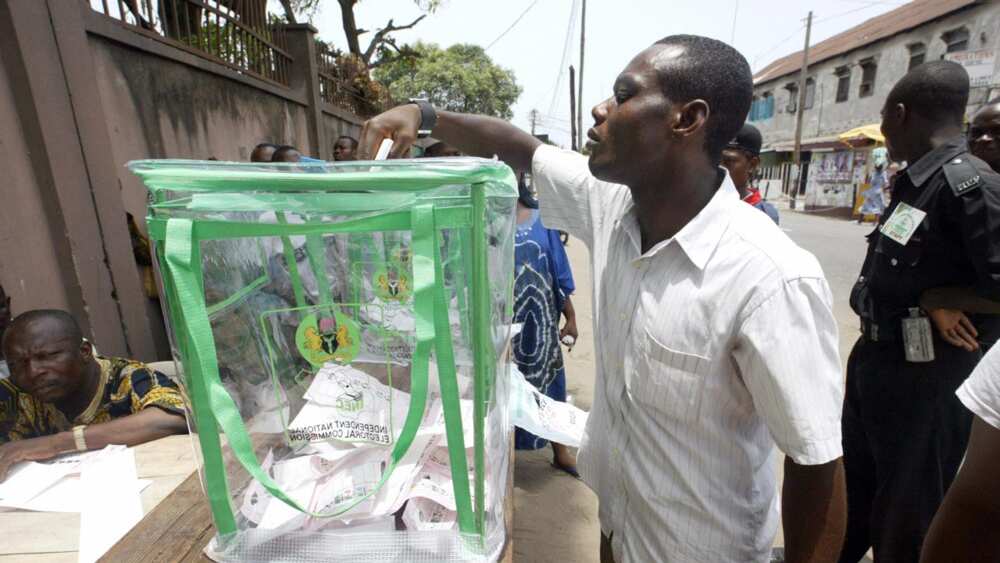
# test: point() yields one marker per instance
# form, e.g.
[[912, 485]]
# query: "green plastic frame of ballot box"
[[178, 249]]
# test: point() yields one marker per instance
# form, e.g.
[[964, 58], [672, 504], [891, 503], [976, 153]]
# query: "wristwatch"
[[428, 117]]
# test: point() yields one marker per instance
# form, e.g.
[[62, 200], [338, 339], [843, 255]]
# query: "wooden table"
[[30, 537], [178, 529]]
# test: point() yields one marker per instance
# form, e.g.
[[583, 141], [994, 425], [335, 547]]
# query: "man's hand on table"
[[33, 449]]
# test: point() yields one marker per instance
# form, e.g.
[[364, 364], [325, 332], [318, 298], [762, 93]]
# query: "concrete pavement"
[[555, 516]]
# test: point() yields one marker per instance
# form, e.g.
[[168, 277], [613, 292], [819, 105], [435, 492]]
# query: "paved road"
[[555, 517]]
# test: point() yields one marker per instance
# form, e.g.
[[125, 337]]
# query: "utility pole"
[[579, 96], [533, 116], [574, 142], [799, 110]]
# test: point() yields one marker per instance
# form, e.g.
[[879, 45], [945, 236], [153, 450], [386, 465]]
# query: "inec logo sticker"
[[324, 338], [392, 283]]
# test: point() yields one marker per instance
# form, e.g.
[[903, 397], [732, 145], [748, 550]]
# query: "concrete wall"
[[31, 270], [159, 108], [828, 117], [81, 95]]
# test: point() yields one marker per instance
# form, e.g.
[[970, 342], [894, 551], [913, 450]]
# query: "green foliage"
[[460, 78]]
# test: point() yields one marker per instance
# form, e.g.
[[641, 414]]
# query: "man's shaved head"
[[59, 322], [47, 355], [692, 67], [938, 91]]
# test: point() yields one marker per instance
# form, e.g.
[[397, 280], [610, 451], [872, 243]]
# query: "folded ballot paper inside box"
[[342, 326]]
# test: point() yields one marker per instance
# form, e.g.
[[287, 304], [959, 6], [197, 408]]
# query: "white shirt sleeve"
[[787, 353], [981, 391], [570, 198]]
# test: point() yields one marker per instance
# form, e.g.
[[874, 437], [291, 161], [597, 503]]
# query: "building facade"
[[848, 79]]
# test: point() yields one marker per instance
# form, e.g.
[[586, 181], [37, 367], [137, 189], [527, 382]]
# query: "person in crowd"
[[874, 202], [741, 157], [345, 149], [984, 134], [697, 295], [543, 284], [286, 153], [440, 149], [891, 172], [71, 399], [965, 527], [904, 430], [263, 152]]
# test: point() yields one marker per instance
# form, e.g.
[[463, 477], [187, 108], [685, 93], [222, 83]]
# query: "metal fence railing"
[[335, 86], [236, 33]]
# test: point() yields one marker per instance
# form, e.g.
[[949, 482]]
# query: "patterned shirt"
[[125, 387], [712, 347]]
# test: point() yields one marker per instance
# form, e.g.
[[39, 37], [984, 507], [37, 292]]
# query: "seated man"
[[69, 399]]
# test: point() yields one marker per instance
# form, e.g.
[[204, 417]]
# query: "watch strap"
[[428, 117]]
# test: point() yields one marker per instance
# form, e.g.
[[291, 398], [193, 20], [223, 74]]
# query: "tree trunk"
[[289, 12], [350, 26]]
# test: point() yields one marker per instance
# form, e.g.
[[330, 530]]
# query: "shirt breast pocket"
[[901, 256], [670, 381]]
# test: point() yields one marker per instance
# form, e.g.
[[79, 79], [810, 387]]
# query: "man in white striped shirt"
[[715, 334]]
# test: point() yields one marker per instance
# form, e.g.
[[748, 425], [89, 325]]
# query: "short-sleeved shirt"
[[712, 346], [981, 391], [125, 387]]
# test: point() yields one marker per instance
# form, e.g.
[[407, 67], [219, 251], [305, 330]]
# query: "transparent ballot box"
[[342, 332]]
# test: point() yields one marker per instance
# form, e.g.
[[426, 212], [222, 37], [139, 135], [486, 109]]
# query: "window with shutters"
[[868, 70], [843, 74], [918, 53], [956, 40], [810, 94]]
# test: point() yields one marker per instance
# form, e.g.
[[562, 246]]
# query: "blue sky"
[[616, 31]]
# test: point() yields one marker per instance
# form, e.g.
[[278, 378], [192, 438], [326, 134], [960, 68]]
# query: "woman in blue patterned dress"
[[542, 288]]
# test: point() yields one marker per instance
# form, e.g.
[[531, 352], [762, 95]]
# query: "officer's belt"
[[889, 331]]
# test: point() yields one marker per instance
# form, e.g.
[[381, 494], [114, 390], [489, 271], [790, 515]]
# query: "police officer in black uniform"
[[905, 432]]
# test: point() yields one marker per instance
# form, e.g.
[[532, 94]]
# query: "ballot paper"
[[560, 422], [255, 498], [422, 514], [347, 404]]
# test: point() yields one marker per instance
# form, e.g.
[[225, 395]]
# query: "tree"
[[460, 78], [382, 44]]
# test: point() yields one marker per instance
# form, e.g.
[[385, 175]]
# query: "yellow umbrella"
[[864, 133]]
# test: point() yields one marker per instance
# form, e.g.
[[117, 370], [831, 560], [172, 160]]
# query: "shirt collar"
[[921, 170], [701, 235]]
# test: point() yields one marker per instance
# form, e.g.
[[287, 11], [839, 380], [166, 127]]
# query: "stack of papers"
[[346, 432], [101, 485]]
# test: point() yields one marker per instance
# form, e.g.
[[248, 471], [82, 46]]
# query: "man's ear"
[[86, 350], [900, 112], [753, 164], [691, 118]]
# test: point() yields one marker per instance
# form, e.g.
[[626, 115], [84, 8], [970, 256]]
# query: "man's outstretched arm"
[[814, 511], [144, 426], [476, 135]]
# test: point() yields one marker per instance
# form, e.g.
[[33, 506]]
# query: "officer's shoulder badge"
[[962, 175]]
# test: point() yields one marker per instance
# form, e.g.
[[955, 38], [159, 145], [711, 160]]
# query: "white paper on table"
[[112, 505], [559, 422], [27, 480], [423, 514], [65, 496]]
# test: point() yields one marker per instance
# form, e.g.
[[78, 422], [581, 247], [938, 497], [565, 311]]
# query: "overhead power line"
[[506, 31]]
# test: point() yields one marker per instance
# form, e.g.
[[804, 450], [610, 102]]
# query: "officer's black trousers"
[[905, 434]]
